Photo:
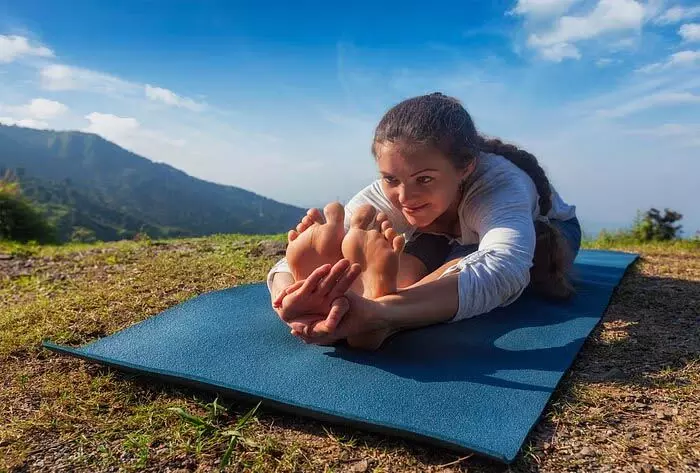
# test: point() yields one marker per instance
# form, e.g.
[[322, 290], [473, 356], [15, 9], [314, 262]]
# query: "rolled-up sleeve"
[[499, 271]]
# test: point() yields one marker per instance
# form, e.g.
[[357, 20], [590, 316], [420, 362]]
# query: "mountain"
[[83, 180]]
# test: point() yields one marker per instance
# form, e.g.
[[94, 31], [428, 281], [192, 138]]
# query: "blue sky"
[[282, 99]]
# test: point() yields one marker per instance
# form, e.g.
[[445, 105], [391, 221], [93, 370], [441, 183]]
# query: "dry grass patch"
[[630, 403]]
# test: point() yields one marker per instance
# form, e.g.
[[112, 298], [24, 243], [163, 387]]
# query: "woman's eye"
[[389, 180], [425, 179]]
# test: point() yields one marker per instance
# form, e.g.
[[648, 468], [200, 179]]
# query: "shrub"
[[19, 220]]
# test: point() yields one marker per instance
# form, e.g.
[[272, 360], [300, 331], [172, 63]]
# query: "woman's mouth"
[[414, 209]]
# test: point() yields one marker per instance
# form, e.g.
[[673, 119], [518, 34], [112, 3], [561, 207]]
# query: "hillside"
[[83, 180]]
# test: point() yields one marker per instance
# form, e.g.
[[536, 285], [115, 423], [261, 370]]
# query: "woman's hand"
[[359, 316], [318, 297]]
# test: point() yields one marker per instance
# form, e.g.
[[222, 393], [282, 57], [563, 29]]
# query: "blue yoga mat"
[[478, 385]]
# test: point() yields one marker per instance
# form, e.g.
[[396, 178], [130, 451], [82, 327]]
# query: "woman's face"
[[423, 183]]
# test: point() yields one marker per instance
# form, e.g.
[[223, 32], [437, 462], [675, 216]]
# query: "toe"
[[397, 243], [315, 215], [292, 235], [363, 217], [307, 221], [335, 213]]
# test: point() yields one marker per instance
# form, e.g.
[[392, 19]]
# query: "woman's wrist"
[[431, 303], [280, 282]]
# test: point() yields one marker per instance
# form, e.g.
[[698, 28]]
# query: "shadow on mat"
[[527, 345], [511, 347]]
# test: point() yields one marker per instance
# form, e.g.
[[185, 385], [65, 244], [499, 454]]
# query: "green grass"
[[75, 415]]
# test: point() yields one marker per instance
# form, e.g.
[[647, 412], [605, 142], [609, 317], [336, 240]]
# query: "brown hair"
[[443, 123]]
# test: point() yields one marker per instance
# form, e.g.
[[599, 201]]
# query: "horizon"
[[605, 93]]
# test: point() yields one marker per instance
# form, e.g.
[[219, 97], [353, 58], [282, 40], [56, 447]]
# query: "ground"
[[631, 401]]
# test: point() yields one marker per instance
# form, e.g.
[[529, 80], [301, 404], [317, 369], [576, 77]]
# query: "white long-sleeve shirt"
[[497, 212]]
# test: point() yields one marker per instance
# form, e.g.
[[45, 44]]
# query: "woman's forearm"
[[425, 304]]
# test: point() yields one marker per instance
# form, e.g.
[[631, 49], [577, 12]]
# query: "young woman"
[[457, 226]]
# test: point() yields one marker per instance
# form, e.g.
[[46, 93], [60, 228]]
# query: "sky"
[[281, 98]]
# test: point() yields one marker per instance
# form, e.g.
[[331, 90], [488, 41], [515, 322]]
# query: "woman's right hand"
[[311, 300]]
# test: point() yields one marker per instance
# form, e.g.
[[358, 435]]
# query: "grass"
[[631, 401]]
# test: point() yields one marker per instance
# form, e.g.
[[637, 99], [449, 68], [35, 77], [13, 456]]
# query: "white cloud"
[[32, 114], [110, 126], [25, 122], [690, 32], [63, 77], [14, 47], [684, 134], [57, 77], [604, 62], [650, 101], [541, 8], [559, 52], [44, 108], [679, 59], [624, 44], [168, 97], [669, 129], [677, 14], [608, 16], [128, 133]]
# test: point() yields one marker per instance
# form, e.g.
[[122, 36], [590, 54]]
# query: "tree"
[[19, 220], [83, 235], [652, 226]]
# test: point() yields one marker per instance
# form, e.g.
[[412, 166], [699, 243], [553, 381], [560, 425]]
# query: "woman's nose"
[[405, 194]]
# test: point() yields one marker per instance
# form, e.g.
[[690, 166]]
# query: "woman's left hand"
[[360, 316]]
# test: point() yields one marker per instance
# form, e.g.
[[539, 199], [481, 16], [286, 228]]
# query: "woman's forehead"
[[395, 157]]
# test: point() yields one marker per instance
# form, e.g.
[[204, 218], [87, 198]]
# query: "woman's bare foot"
[[375, 246], [314, 242]]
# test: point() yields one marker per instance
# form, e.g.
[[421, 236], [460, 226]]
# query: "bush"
[[83, 235], [19, 220], [652, 226], [647, 227]]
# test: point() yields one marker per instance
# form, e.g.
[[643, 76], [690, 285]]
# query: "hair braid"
[[525, 161]]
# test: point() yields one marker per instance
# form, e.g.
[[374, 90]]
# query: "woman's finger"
[[298, 328], [311, 283], [339, 308], [284, 292], [329, 282], [346, 280]]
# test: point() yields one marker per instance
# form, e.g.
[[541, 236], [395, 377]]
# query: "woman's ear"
[[469, 169]]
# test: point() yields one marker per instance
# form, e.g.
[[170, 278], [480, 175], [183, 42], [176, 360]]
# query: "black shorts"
[[436, 250]]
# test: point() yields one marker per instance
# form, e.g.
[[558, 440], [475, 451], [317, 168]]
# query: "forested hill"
[[85, 181]]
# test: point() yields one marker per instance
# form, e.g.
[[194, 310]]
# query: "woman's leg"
[[454, 255], [571, 231], [421, 256]]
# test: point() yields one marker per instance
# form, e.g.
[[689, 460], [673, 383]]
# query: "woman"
[[479, 219]]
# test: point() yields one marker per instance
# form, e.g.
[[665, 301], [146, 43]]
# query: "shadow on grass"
[[652, 334]]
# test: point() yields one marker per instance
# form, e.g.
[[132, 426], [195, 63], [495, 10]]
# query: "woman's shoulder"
[[496, 176]]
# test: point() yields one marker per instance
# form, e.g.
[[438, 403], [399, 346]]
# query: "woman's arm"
[[423, 304], [280, 282]]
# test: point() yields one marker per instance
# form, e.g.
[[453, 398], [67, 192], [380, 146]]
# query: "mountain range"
[[83, 181]]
